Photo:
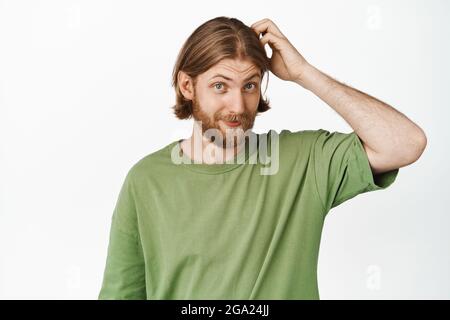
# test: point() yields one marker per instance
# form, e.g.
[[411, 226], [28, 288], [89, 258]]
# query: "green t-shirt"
[[227, 231]]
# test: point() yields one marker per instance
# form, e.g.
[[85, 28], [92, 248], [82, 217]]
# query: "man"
[[193, 222]]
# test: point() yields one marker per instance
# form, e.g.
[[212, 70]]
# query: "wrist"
[[306, 75]]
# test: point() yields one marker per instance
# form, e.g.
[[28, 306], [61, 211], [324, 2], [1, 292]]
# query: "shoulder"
[[150, 164], [304, 137], [316, 141], [304, 134]]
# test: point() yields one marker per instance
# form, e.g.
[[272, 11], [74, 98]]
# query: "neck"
[[202, 150]]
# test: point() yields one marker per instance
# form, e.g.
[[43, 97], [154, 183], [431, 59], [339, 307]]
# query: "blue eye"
[[218, 83]]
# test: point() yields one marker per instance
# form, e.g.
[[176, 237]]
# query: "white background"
[[85, 93]]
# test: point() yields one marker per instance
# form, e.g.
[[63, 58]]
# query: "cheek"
[[252, 101], [208, 101], [256, 97], [215, 103]]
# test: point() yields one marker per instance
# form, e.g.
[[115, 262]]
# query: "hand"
[[286, 62]]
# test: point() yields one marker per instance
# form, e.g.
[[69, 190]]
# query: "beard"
[[231, 137]]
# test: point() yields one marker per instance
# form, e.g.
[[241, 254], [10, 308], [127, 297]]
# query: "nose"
[[237, 104]]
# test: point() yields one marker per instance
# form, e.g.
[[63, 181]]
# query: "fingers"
[[266, 25], [267, 38], [257, 22], [273, 41]]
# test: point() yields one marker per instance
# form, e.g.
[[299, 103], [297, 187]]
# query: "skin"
[[390, 139], [216, 100]]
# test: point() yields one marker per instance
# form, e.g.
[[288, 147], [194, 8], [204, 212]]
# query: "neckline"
[[241, 158]]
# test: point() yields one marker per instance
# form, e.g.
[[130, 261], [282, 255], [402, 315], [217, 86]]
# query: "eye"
[[218, 84], [252, 83]]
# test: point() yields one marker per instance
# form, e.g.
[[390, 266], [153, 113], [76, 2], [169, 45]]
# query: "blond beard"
[[231, 138]]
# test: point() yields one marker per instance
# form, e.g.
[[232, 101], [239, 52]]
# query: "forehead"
[[233, 68]]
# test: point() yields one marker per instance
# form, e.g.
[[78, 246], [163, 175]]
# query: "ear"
[[186, 85]]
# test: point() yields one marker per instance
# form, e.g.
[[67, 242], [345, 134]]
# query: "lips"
[[232, 123]]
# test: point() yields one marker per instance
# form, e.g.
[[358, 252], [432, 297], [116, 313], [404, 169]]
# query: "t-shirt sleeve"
[[124, 274], [342, 168]]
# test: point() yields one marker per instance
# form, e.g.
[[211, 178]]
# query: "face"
[[228, 91]]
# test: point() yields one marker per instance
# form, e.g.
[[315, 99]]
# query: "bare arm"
[[390, 139]]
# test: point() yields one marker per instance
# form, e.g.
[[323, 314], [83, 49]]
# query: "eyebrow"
[[227, 78]]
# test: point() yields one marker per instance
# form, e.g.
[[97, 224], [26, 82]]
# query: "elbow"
[[401, 154], [416, 146], [421, 143]]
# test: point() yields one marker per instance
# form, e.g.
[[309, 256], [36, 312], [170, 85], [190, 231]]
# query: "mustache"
[[240, 118], [233, 119]]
